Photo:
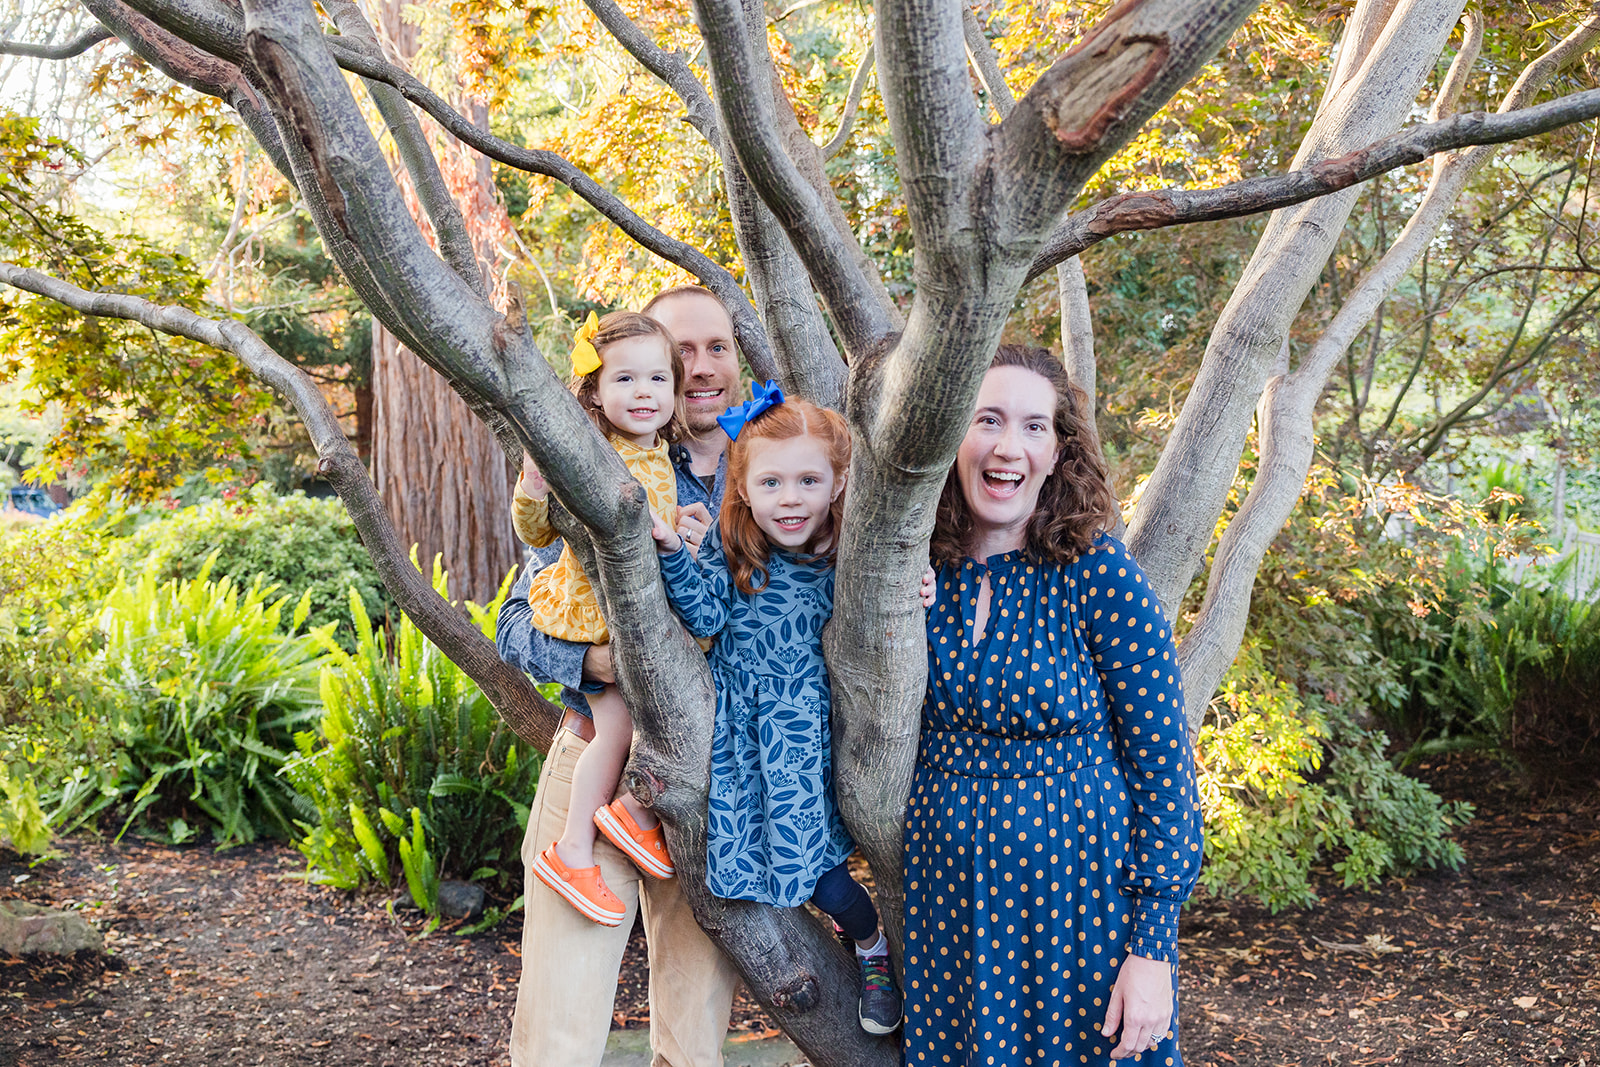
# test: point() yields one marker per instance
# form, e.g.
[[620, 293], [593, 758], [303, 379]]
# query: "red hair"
[[744, 546]]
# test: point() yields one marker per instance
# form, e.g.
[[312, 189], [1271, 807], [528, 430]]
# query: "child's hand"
[[929, 591], [667, 539], [533, 482]]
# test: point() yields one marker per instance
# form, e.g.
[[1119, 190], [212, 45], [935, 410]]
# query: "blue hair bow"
[[762, 398]]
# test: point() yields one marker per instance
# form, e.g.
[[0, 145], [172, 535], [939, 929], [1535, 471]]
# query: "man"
[[569, 964]]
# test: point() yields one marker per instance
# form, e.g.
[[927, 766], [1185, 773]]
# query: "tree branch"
[[986, 63], [858, 86], [66, 50], [1288, 406], [449, 226], [788, 340], [216, 26], [671, 67], [530, 715], [752, 124], [1159, 208], [1178, 510]]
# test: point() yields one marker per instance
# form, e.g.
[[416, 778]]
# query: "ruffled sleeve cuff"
[[531, 518], [1155, 929]]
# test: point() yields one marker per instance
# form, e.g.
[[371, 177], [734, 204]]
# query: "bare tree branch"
[[1174, 207], [1286, 439], [753, 126], [858, 86], [66, 50], [789, 340], [986, 63], [532, 717], [671, 67], [1455, 79], [449, 227], [215, 26], [1178, 509]]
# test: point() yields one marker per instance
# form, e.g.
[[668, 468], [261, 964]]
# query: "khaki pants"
[[569, 964]]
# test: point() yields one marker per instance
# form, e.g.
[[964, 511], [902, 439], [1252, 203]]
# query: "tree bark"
[[442, 474]]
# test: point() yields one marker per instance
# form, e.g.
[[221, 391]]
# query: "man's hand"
[[533, 482], [1141, 1004], [693, 522], [930, 589], [597, 665]]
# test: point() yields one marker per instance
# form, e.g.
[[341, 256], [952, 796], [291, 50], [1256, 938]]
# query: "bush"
[[55, 748], [411, 771], [1517, 674], [295, 542], [202, 692], [1270, 819]]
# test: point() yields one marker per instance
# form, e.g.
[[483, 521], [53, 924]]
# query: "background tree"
[[985, 206]]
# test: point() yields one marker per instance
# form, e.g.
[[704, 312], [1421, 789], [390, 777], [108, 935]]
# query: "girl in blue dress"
[[1053, 830], [763, 587]]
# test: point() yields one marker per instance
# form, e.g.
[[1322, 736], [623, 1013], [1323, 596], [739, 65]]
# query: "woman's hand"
[[533, 482], [693, 522], [1141, 1004], [930, 589], [667, 539]]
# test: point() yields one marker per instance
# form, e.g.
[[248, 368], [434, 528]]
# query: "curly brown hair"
[[1075, 501], [619, 326]]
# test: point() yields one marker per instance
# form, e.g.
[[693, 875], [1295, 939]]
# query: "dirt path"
[[231, 959]]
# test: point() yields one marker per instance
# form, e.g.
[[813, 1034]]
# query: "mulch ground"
[[231, 959]]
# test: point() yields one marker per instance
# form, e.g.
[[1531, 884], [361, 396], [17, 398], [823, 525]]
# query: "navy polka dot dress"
[[1054, 824]]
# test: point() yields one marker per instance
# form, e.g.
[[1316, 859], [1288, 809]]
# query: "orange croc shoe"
[[646, 848], [584, 889]]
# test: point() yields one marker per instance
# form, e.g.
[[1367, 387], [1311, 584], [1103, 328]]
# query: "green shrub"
[[1517, 674], [297, 543], [411, 769], [203, 691], [1271, 818], [53, 732]]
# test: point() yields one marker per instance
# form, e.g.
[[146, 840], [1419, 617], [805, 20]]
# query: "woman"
[[1054, 829]]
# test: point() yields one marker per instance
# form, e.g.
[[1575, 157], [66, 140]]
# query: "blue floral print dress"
[[774, 827], [1054, 825]]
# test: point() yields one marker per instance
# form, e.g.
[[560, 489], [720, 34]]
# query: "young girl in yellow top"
[[629, 377]]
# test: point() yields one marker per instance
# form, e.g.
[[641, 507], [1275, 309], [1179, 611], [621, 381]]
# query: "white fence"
[[1583, 574], [1579, 561]]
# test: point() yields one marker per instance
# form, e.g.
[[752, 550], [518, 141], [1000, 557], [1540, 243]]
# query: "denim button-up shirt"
[[550, 659]]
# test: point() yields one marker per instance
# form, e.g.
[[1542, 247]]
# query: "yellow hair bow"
[[585, 357]]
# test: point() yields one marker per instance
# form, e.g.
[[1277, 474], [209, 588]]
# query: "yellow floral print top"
[[561, 597]]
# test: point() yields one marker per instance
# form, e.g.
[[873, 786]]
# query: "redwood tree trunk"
[[444, 479]]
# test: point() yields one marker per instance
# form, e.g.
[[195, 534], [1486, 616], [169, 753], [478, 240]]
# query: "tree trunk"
[[444, 479]]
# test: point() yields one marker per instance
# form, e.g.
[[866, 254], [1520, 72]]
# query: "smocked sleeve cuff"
[[1155, 929]]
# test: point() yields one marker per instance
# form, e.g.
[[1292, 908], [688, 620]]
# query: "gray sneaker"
[[880, 1000]]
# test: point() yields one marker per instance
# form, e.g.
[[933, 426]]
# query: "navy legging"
[[838, 895]]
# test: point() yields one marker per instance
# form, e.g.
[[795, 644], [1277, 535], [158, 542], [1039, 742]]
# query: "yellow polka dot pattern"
[[562, 599], [1054, 825]]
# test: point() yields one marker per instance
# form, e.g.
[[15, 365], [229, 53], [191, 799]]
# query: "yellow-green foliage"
[[1271, 817], [22, 821]]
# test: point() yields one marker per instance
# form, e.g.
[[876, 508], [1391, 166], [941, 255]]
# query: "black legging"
[[838, 895]]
